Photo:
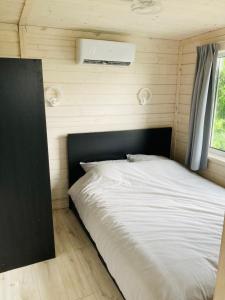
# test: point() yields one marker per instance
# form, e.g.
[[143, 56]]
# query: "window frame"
[[212, 150]]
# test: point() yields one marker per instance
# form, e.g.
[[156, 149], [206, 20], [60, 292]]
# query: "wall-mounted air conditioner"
[[104, 52]]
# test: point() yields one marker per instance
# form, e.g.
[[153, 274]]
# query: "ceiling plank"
[[10, 11]]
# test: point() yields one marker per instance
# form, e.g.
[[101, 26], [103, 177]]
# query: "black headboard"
[[114, 145]]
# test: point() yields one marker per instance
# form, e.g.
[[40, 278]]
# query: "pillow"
[[97, 178], [143, 157], [108, 171], [90, 165]]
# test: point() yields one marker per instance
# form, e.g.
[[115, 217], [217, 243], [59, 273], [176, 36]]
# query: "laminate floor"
[[75, 274]]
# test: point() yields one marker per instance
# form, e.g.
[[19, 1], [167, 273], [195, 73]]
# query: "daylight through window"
[[218, 133]]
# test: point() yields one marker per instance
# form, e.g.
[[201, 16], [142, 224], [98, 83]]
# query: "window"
[[218, 132]]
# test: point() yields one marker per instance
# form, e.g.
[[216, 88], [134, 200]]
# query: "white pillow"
[[109, 171], [97, 178], [143, 157], [90, 165]]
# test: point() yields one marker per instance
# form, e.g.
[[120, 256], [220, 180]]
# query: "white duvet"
[[157, 226]]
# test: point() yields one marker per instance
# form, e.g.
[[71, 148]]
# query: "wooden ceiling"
[[10, 11], [177, 20]]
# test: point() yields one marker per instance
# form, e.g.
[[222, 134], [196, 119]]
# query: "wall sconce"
[[53, 96], [144, 96]]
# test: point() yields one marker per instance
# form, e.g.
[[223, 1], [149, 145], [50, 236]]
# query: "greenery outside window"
[[218, 131]]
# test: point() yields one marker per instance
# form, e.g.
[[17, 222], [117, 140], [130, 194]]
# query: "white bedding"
[[157, 226]]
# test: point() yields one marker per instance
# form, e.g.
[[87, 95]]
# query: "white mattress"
[[157, 226]]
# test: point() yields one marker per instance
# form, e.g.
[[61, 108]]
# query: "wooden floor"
[[76, 273]]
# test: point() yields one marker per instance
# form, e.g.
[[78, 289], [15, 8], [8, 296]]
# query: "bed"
[[156, 225]]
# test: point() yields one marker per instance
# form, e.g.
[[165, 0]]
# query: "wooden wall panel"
[[9, 40], [97, 98], [216, 168]]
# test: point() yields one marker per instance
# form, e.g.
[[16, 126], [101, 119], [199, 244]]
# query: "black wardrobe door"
[[26, 231]]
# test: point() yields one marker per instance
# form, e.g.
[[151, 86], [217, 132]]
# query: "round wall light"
[[144, 96], [53, 96]]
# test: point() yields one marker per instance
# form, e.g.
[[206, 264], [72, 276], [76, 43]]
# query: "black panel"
[[26, 231], [115, 145]]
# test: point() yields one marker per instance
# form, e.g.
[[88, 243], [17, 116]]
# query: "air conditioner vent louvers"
[[106, 62], [101, 52]]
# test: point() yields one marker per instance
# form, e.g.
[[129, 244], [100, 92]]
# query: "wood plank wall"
[[216, 168], [97, 98], [9, 40]]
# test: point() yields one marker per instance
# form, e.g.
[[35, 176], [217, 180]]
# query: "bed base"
[[74, 210]]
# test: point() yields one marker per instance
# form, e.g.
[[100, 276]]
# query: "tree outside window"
[[218, 133]]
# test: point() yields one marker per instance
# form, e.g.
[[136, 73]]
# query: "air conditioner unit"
[[104, 52]]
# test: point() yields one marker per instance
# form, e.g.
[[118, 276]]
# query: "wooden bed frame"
[[86, 147]]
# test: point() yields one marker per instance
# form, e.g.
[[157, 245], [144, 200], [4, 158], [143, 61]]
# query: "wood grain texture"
[[9, 40], [10, 11], [75, 274], [216, 168], [177, 19], [100, 98], [95, 98]]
